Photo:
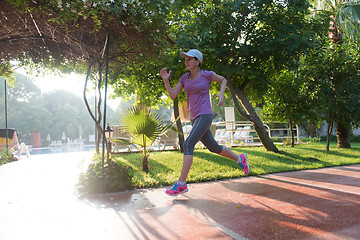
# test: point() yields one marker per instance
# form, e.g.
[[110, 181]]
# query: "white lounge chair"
[[23, 148], [119, 132], [53, 143], [223, 136], [243, 134]]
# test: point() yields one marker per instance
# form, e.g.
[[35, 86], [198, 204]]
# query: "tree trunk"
[[343, 133], [99, 115], [291, 133], [328, 134], [97, 121], [145, 165], [108, 151], [311, 130], [263, 134], [342, 126], [252, 116], [99, 138], [178, 124]]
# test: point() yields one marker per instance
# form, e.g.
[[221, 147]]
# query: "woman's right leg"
[[200, 126]]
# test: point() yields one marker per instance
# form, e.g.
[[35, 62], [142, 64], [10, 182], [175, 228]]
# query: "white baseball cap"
[[193, 53]]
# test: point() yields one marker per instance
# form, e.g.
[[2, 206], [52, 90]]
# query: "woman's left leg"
[[187, 162]]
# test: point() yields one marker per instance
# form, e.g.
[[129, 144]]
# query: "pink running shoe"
[[244, 164], [177, 189]]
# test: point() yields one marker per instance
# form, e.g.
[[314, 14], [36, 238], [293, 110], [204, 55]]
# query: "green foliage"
[[348, 18], [6, 156], [69, 112], [220, 110], [333, 82], [287, 99], [209, 167], [70, 34], [355, 138], [333, 138], [311, 139], [247, 42], [116, 178], [143, 78], [26, 111], [7, 72], [144, 126], [324, 87], [244, 41], [52, 113], [345, 13]]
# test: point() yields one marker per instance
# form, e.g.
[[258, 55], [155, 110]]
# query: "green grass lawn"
[[165, 167]]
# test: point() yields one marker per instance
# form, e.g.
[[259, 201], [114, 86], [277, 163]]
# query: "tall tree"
[[26, 109], [287, 100], [247, 42], [332, 76], [344, 18], [68, 113]]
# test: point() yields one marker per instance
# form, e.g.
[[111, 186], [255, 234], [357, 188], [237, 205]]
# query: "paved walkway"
[[37, 201]]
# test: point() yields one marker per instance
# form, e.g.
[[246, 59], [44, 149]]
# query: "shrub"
[[116, 178], [7, 156], [287, 141], [310, 139], [355, 138], [333, 138], [145, 127]]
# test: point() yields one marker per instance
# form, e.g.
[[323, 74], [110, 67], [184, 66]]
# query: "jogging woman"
[[196, 84]]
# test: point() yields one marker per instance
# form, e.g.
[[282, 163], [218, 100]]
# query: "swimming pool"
[[64, 149]]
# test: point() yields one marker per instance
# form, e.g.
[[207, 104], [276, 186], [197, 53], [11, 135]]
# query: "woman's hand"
[[221, 99], [222, 81], [172, 92], [164, 74]]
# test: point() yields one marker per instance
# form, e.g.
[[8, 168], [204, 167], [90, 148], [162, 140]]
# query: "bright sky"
[[70, 82]]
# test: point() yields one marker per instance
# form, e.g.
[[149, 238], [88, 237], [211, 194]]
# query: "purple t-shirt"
[[197, 93]]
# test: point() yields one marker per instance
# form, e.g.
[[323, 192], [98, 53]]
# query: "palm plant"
[[144, 127], [344, 15], [348, 14]]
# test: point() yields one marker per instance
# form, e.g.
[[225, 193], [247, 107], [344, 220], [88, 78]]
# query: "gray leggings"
[[201, 132]]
